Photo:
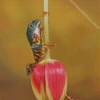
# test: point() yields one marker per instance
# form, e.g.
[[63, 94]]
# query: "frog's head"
[[33, 28]]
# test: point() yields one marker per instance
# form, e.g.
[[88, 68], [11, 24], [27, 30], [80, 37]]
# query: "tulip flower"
[[49, 80]]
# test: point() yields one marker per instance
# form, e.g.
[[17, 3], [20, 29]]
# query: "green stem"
[[46, 29]]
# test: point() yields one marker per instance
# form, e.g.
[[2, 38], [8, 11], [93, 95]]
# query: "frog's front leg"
[[47, 45], [36, 46]]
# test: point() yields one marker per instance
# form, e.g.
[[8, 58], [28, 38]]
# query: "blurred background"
[[77, 46]]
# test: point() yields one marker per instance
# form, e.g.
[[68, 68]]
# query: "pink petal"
[[56, 83], [38, 81]]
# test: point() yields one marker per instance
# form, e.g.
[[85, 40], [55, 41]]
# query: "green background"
[[77, 46]]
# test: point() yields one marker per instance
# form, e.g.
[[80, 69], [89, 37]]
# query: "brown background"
[[77, 46]]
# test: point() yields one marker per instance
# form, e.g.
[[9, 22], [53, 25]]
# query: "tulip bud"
[[49, 80]]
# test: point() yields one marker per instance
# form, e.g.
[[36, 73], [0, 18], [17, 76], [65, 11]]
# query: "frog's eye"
[[31, 26]]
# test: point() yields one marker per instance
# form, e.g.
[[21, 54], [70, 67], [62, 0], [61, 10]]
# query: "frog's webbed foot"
[[68, 97], [30, 67], [47, 45]]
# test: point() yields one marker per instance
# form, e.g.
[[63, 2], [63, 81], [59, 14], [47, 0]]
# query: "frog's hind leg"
[[30, 67]]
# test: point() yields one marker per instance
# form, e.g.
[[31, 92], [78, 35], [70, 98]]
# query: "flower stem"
[[46, 29]]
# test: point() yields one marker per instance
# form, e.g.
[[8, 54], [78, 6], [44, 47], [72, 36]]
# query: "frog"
[[34, 36]]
